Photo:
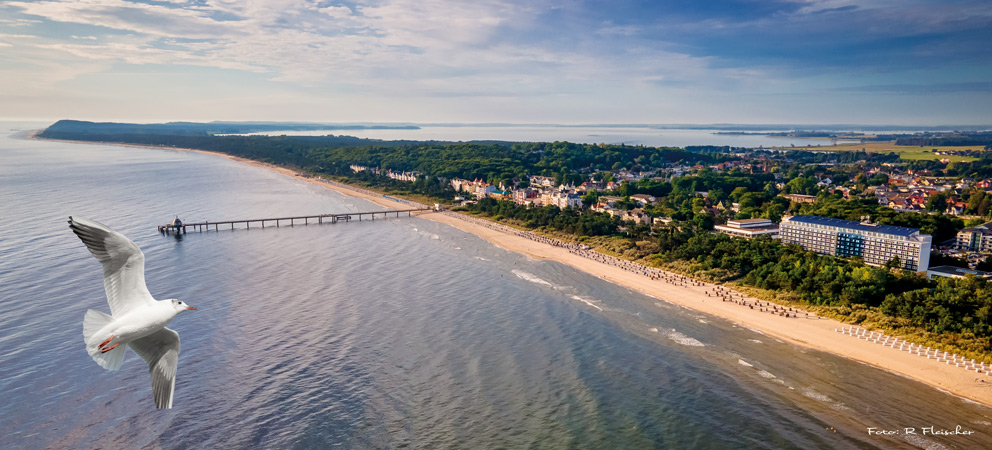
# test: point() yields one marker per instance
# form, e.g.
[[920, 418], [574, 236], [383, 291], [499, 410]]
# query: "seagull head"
[[180, 306]]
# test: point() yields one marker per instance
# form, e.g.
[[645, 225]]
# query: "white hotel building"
[[873, 243], [749, 228]]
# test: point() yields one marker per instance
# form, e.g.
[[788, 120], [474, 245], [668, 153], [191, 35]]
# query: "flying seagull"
[[137, 319]]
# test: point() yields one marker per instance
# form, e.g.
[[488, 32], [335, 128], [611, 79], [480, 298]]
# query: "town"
[[890, 184]]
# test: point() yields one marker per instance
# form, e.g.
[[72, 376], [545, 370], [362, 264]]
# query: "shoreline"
[[809, 332]]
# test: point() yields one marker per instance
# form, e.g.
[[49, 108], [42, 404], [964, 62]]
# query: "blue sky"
[[912, 62]]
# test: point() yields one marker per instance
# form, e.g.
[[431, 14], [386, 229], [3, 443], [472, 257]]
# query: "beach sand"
[[813, 332]]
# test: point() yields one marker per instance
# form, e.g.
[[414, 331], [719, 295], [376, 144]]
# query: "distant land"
[[210, 128], [167, 133], [226, 127]]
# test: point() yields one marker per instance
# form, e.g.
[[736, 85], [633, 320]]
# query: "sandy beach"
[[810, 332]]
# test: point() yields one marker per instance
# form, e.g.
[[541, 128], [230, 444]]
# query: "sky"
[[899, 62]]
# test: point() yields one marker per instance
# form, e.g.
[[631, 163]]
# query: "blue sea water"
[[399, 333]]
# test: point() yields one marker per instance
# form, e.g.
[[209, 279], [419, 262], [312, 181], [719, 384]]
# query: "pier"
[[177, 226]]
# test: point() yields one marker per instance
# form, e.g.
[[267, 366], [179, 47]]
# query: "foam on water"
[[809, 392], [756, 341], [744, 363], [921, 442], [770, 376], [587, 302], [532, 278], [683, 339]]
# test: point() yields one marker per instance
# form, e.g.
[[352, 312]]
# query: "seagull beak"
[[190, 307]]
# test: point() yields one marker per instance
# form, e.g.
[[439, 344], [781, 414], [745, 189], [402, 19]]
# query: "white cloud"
[[394, 50], [18, 22], [153, 20], [337, 12]]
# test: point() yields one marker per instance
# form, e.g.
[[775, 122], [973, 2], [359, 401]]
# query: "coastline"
[[813, 332]]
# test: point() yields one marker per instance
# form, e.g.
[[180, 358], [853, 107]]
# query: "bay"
[[628, 135]]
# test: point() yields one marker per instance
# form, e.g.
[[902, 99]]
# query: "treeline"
[[493, 162], [578, 222], [983, 139], [949, 305]]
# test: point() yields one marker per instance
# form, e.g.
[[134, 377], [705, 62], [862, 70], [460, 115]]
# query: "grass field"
[[904, 151]]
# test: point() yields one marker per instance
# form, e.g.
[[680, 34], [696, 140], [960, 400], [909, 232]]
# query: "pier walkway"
[[178, 226]]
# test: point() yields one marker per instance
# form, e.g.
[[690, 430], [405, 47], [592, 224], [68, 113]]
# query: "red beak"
[[190, 307]]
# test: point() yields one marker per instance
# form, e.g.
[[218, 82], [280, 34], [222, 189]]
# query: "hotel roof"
[[951, 271], [985, 229], [749, 220], [841, 223]]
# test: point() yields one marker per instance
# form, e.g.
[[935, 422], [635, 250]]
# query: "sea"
[[626, 135], [387, 334]]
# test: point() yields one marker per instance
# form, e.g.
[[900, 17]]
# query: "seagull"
[[137, 319]]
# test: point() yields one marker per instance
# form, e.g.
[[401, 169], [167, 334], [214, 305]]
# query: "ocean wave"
[[756, 341], [809, 392], [768, 375], [587, 302], [744, 363], [683, 339], [532, 278], [752, 329]]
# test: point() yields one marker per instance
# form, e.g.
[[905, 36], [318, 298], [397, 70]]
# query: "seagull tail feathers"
[[93, 322]]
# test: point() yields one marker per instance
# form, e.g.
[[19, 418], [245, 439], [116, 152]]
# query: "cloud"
[[148, 19], [515, 49]]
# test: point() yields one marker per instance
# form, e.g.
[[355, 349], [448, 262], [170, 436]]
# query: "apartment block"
[[875, 244]]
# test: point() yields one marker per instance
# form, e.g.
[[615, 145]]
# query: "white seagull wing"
[[160, 350], [123, 265]]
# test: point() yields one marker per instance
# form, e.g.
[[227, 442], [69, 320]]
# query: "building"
[[799, 198], [976, 239], [636, 215], [749, 228], [955, 272], [643, 199], [875, 244]]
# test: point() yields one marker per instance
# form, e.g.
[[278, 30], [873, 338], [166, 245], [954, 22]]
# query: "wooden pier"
[[178, 226]]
